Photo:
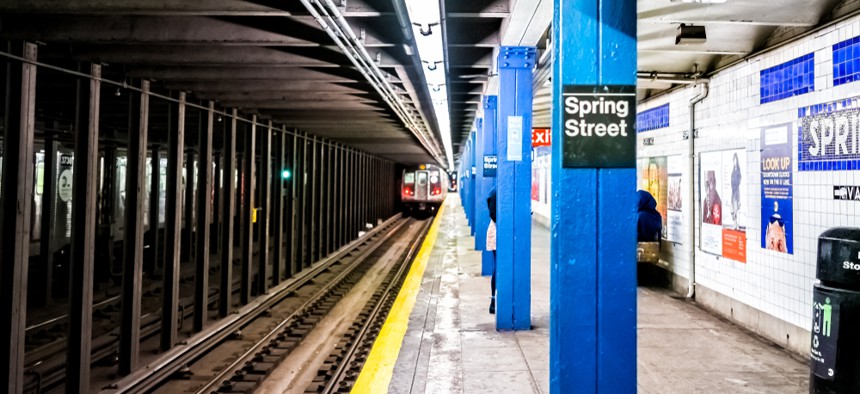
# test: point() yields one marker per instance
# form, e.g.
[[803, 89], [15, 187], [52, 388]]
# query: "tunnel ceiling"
[[265, 57], [272, 58]]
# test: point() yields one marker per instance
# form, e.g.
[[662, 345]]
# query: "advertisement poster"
[[776, 189], [674, 199], [724, 209], [655, 175]]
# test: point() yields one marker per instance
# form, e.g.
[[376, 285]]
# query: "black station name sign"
[[599, 126]]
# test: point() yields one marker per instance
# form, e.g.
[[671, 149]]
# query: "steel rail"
[[332, 385], [262, 342], [151, 375]]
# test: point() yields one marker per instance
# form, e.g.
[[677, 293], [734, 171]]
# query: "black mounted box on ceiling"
[[690, 35]]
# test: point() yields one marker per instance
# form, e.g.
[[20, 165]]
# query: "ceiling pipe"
[[353, 49], [674, 78], [363, 54]]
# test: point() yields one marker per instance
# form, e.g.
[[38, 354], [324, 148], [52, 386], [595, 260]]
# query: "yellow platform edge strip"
[[379, 367]]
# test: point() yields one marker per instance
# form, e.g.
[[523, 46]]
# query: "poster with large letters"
[[724, 208], [777, 195]]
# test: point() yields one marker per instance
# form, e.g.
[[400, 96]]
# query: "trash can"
[[835, 348]]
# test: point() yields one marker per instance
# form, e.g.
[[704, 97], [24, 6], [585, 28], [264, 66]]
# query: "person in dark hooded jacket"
[[649, 224]]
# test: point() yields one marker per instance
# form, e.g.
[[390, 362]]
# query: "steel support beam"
[[300, 151], [513, 265], [312, 216], [226, 289], [188, 246], [204, 213], [172, 225], [49, 211], [248, 211], [488, 143], [132, 270], [265, 182], [79, 345], [15, 214], [592, 340], [154, 207], [278, 208]]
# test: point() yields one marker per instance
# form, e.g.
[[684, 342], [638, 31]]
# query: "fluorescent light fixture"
[[423, 14], [690, 35]]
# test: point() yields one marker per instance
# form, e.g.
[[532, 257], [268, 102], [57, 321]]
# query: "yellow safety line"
[[376, 373]]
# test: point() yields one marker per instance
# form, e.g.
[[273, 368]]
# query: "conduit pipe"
[[691, 195], [345, 39], [360, 53]]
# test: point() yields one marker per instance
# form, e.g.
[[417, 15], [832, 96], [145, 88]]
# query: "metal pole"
[[226, 289], [84, 233], [204, 213], [172, 226], [278, 208], [154, 207], [247, 211], [265, 182], [488, 183], [49, 210], [132, 271]]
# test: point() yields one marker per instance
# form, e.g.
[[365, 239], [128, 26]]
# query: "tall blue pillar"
[[472, 182], [488, 141], [467, 165], [482, 216], [513, 210], [593, 277]]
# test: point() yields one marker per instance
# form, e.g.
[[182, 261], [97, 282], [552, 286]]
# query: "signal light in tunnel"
[[286, 174]]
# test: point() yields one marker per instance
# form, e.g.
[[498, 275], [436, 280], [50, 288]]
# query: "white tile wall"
[[731, 117]]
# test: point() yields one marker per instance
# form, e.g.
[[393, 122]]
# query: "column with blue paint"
[[488, 141], [514, 174], [593, 277], [473, 191], [482, 216], [464, 184]]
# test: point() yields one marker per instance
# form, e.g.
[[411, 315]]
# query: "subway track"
[[235, 356]]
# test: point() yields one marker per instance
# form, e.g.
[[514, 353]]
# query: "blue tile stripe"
[[654, 118], [843, 161], [792, 78], [846, 61]]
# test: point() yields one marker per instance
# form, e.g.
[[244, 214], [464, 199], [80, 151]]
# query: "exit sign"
[[541, 137]]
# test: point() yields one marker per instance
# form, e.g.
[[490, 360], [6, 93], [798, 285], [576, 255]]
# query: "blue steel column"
[[467, 178], [488, 142], [472, 185], [482, 216], [593, 280], [513, 245]]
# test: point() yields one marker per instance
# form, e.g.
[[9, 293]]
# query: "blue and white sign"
[[491, 165], [777, 194]]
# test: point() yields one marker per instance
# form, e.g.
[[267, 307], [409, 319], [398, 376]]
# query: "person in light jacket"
[[491, 246]]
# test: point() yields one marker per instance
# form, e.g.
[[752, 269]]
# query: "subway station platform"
[[450, 344]]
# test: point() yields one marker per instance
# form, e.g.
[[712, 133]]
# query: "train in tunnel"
[[423, 188]]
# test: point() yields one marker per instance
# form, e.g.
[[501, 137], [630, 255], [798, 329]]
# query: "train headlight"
[[286, 174]]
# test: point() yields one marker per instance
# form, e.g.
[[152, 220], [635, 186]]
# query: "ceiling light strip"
[[339, 30]]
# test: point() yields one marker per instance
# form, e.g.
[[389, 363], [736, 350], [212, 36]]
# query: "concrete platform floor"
[[451, 345]]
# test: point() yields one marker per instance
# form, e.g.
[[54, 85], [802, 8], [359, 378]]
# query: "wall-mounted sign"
[[846, 193], [541, 137], [491, 165], [515, 138], [830, 136], [724, 206], [599, 126], [777, 194], [474, 171]]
